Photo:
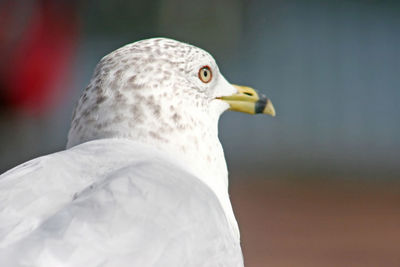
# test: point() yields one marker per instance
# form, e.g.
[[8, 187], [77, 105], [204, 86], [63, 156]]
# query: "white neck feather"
[[191, 140]]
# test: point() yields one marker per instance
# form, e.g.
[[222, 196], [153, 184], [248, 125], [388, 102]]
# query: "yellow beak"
[[249, 101]]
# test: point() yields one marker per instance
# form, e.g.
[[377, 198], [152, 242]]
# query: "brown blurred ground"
[[318, 222]]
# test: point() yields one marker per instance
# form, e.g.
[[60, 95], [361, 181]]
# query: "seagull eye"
[[205, 74]]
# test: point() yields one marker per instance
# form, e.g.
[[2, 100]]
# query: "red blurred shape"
[[39, 63]]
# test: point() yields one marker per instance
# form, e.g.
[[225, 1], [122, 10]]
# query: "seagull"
[[143, 180]]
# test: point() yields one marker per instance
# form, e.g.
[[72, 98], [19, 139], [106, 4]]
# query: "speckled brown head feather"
[[149, 82]]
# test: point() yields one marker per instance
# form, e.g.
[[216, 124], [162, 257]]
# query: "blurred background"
[[319, 185]]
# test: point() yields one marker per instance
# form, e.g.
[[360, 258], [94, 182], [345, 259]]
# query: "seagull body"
[[116, 203], [143, 181]]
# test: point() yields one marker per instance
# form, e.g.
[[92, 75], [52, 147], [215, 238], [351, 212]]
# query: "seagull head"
[[157, 86]]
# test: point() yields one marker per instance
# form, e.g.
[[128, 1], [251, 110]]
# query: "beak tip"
[[269, 109]]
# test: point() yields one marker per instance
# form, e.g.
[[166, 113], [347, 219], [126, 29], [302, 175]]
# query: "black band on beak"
[[261, 104]]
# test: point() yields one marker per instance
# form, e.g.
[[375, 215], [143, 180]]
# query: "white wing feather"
[[111, 203]]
